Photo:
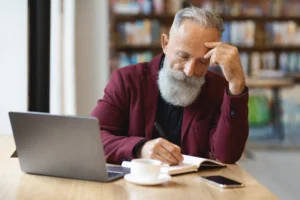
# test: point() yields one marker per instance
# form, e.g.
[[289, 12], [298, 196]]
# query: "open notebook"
[[189, 164]]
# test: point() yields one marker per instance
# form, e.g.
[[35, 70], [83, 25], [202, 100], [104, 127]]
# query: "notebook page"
[[192, 160], [198, 161], [181, 168]]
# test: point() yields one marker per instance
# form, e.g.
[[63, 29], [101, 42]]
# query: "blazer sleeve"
[[230, 132], [112, 112]]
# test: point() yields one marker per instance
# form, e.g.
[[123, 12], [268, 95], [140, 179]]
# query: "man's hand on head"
[[228, 58], [163, 150]]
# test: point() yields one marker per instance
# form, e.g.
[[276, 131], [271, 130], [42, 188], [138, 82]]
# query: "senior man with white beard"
[[201, 113]]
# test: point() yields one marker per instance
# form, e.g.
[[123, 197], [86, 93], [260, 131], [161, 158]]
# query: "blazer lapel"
[[188, 116], [150, 100], [150, 94], [190, 111]]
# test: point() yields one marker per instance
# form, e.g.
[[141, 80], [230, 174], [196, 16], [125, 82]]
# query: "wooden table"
[[14, 184]]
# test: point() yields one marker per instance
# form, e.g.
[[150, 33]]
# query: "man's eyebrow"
[[201, 59]]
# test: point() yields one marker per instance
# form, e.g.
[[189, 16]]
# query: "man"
[[201, 113]]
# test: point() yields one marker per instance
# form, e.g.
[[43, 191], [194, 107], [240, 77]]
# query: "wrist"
[[139, 153], [237, 88], [137, 150]]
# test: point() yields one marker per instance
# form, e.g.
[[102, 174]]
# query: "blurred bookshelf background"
[[267, 34]]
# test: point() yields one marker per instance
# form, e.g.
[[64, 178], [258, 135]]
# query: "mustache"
[[182, 78], [177, 88], [178, 74]]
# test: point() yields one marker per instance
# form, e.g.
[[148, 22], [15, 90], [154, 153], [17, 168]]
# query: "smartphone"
[[222, 181]]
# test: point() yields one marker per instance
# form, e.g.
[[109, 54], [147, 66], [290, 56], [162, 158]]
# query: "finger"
[[225, 45], [213, 54], [166, 154], [221, 56], [225, 48], [154, 155], [174, 149], [209, 53], [212, 44], [213, 60]]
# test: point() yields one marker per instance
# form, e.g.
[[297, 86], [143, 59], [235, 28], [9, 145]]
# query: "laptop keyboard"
[[113, 174]]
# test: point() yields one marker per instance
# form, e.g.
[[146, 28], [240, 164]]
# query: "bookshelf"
[[157, 47], [169, 18], [294, 76], [265, 36], [270, 83], [267, 17]]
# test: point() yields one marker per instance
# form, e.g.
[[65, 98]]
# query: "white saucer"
[[161, 179]]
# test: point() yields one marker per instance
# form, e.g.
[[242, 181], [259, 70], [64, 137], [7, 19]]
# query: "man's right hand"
[[163, 150]]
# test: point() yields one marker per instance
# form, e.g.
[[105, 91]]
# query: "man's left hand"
[[228, 58]]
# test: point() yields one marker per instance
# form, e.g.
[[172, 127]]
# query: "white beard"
[[176, 88]]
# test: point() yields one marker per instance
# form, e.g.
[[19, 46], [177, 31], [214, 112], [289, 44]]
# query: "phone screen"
[[222, 181]]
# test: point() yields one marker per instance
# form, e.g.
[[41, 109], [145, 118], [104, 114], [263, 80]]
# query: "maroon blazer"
[[215, 123]]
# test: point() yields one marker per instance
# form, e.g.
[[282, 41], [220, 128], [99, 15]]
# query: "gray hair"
[[204, 18]]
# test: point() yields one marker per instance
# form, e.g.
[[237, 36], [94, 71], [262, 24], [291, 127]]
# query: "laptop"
[[61, 146]]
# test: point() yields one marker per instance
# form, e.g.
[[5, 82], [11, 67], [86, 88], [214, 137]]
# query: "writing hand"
[[163, 150]]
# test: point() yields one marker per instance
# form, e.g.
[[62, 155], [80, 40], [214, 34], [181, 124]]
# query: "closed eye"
[[183, 55]]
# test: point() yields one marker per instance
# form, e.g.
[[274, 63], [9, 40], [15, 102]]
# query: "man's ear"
[[164, 42]]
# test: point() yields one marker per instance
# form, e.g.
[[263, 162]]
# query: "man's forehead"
[[194, 47], [193, 40], [190, 30]]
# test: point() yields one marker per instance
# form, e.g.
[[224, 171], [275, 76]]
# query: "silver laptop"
[[61, 146]]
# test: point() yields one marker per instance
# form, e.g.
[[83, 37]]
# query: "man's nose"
[[189, 68]]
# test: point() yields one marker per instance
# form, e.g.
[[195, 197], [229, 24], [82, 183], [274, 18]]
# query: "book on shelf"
[[130, 59], [189, 164], [146, 7], [226, 33], [275, 8], [289, 62], [140, 32], [282, 33]]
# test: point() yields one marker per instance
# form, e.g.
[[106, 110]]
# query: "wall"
[[91, 53], [79, 55], [13, 60]]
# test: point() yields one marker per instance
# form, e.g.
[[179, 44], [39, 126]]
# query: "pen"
[[160, 130]]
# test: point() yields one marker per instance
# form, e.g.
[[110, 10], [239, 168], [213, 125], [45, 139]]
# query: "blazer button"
[[232, 113]]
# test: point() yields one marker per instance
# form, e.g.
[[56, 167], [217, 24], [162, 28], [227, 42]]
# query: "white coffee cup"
[[145, 169]]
